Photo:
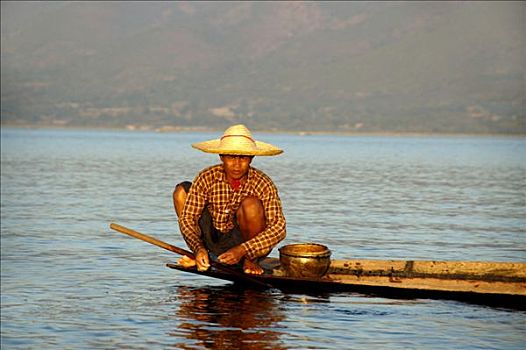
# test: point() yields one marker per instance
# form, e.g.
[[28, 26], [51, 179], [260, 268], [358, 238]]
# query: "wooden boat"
[[489, 283]]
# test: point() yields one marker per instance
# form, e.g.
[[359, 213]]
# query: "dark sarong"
[[215, 241]]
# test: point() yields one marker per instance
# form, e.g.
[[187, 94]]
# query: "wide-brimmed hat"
[[238, 140]]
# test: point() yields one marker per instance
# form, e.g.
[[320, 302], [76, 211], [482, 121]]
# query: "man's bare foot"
[[186, 262], [252, 268]]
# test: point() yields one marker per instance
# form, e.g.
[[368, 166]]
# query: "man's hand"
[[233, 255], [202, 260]]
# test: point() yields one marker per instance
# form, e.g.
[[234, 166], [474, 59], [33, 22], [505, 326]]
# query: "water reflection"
[[227, 317]]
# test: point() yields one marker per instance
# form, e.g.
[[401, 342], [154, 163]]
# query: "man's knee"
[[252, 205], [179, 196], [185, 185], [251, 217], [251, 208]]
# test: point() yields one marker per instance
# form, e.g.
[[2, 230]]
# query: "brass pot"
[[309, 260]]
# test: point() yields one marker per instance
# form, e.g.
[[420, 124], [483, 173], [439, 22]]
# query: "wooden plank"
[[457, 276], [504, 271], [456, 285]]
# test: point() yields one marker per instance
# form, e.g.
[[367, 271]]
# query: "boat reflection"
[[228, 317]]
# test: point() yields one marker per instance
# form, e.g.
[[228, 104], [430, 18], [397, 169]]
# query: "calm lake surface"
[[69, 282]]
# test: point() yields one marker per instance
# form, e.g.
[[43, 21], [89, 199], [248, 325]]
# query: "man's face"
[[236, 167]]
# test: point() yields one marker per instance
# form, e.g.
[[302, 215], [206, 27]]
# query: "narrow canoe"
[[489, 283]]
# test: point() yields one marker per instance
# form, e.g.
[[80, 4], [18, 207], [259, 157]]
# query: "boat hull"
[[488, 283]]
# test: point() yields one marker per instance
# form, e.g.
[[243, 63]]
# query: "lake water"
[[69, 282]]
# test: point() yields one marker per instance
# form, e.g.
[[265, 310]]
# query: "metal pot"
[[310, 260]]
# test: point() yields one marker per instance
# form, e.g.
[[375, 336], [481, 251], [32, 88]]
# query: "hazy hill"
[[348, 66]]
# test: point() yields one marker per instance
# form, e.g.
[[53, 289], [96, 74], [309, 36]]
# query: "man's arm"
[[189, 219]]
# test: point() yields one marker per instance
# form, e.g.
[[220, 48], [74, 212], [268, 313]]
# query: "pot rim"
[[324, 253]]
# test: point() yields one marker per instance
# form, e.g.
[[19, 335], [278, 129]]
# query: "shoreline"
[[305, 133]]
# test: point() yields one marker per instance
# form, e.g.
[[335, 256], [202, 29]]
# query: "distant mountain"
[[345, 66]]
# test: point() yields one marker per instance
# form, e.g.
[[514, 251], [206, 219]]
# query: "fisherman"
[[232, 210]]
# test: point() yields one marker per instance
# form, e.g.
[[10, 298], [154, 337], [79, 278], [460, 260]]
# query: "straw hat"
[[238, 140]]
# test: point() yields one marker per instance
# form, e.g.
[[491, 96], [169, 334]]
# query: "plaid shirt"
[[211, 188]]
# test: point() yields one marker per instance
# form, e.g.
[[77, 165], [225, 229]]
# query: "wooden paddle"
[[180, 251]]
